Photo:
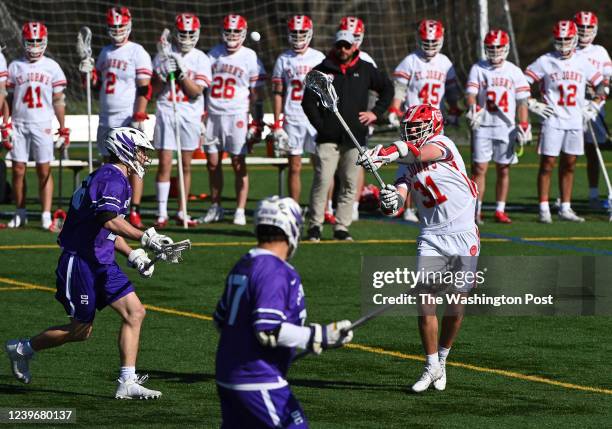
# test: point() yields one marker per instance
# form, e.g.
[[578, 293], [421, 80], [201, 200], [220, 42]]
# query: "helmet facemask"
[[586, 34], [497, 54], [565, 45], [234, 38], [431, 47], [35, 48], [416, 133], [187, 40], [119, 33]]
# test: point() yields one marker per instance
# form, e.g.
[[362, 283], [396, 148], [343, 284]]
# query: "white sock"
[[501, 206], [478, 206], [566, 206], [163, 190], [179, 214], [544, 207], [355, 205], [46, 216], [127, 372], [443, 354], [432, 360], [330, 207], [593, 193], [411, 210], [239, 211]]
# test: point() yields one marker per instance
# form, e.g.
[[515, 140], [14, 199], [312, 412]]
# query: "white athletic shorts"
[[163, 137], [120, 119], [500, 151], [302, 138], [600, 131], [553, 141], [226, 133], [433, 251], [35, 139]]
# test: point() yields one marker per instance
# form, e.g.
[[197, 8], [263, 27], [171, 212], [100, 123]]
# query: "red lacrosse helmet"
[[187, 31], [300, 32], [430, 37], [497, 46], [34, 37], [119, 23], [355, 26], [234, 32], [566, 38], [420, 123], [586, 24]]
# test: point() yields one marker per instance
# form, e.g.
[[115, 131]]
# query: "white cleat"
[[17, 221], [429, 376], [19, 360], [410, 216], [240, 218], [214, 214], [134, 389], [46, 222], [570, 215], [440, 384], [545, 217]]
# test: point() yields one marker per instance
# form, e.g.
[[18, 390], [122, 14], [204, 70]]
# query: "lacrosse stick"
[[602, 165], [171, 253], [59, 215], [84, 52], [164, 49], [321, 85]]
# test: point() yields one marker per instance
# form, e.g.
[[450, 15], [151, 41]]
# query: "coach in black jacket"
[[353, 78]]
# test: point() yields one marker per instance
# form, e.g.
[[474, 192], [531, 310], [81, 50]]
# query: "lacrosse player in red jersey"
[[446, 200], [191, 67], [122, 74], [295, 134], [562, 76], [36, 85], [586, 24], [496, 90]]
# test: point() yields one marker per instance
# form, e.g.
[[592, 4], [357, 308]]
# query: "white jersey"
[[233, 75], [118, 69], [444, 195], [563, 83], [198, 70], [3, 69], [290, 69], [367, 58], [425, 80], [599, 57], [33, 85], [497, 89]]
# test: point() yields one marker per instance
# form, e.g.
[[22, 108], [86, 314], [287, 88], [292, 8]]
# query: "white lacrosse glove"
[[139, 259], [590, 110], [166, 66], [543, 110], [281, 139], [87, 65], [523, 133], [390, 200], [138, 119], [154, 241], [373, 159], [474, 116], [330, 336], [180, 66], [395, 115]]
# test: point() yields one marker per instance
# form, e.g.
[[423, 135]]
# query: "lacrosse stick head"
[[84, 43], [163, 45], [321, 84], [173, 253]]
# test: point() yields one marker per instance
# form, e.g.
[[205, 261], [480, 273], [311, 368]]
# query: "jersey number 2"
[[430, 192]]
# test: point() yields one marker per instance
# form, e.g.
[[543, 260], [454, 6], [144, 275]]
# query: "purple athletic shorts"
[[259, 409], [83, 287]]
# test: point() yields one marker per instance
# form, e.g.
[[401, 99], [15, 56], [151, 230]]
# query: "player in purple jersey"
[[261, 320], [88, 278]]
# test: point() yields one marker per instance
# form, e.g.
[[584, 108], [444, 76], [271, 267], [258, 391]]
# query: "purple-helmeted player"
[[261, 320], [88, 278]]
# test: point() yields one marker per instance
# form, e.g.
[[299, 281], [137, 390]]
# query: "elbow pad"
[[400, 90], [104, 217], [144, 91], [60, 101]]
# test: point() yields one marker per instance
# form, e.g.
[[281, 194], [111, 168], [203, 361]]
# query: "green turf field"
[[504, 372]]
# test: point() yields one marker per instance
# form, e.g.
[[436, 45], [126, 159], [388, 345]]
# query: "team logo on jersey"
[[47, 131], [473, 250], [240, 124]]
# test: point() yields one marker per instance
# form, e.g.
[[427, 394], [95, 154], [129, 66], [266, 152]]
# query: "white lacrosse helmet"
[[187, 31], [126, 143], [283, 213], [119, 24], [34, 36], [234, 32]]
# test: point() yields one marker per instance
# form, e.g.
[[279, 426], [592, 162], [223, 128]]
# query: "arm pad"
[[287, 335], [399, 90], [144, 91], [104, 217]]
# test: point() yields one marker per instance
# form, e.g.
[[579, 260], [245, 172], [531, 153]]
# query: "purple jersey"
[[261, 292], [105, 190]]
